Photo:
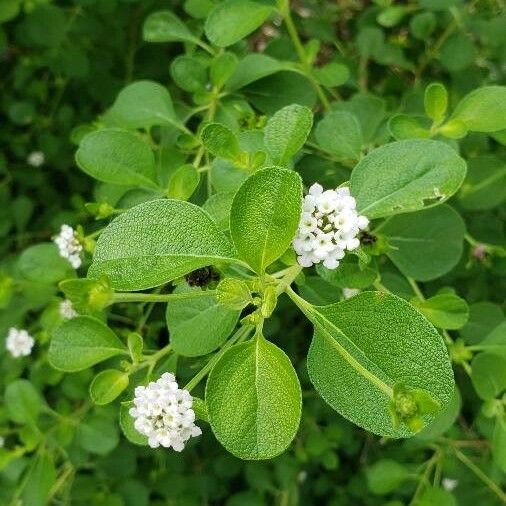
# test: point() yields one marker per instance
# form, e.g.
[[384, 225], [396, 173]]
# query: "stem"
[[239, 336], [416, 289], [161, 297], [481, 475], [288, 278], [292, 31]]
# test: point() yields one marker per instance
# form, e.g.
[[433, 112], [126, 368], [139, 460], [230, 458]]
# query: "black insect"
[[367, 238], [202, 277]]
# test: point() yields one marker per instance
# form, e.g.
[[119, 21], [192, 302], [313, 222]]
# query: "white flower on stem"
[[67, 311], [163, 413], [19, 343], [69, 245], [36, 159], [329, 227]]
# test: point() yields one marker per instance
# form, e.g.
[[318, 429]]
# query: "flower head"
[[36, 159], [163, 412], [329, 226], [19, 343], [67, 311], [69, 245]]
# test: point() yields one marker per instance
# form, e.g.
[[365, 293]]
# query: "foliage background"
[[62, 64]]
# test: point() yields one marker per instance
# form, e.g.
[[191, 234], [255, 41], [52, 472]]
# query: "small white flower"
[[348, 293], [449, 484], [163, 413], [19, 343], [328, 227], [36, 159], [2, 442], [69, 245], [67, 311]]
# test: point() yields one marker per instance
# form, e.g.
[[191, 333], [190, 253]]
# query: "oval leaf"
[[156, 242], [406, 176], [118, 157], [107, 385], [165, 26], [254, 400], [81, 343], [355, 367], [265, 215]]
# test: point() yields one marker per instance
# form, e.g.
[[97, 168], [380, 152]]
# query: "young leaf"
[[23, 402], [231, 21], [254, 400], [165, 26], [222, 68], [488, 373], [156, 242], [406, 176], [82, 342], [286, 132], [220, 141], [436, 102], [199, 326], [183, 182], [483, 110], [143, 104], [445, 311], [265, 215], [107, 385], [355, 367], [190, 74], [332, 74], [117, 157], [339, 133], [427, 244], [402, 126]]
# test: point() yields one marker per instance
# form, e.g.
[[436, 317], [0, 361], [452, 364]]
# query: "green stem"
[[299, 48], [481, 475], [161, 297], [416, 289], [239, 336]]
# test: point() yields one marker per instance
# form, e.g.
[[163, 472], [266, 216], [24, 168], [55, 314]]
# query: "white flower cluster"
[[67, 311], [36, 159], [69, 245], [19, 343], [163, 412], [329, 226]]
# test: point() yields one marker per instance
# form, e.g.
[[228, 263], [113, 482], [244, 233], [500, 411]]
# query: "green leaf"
[[265, 215], [108, 385], [286, 132], [23, 402], [499, 442], [190, 74], [254, 400], [433, 495], [484, 317], [406, 176], [332, 74], [435, 102], [488, 373], [117, 157], [127, 425], [143, 104], [349, 275], [485, 184], [231, 21], [457, 52], [483, 110], [427, 244], [183, 182], [198, 326], [40, 478], [402, 126], [222, 68], [218, 206], [220, 141], [386, 476], [165, 26], [445, 311], [339, 133], [41, 263], [355, 367], [98, 434], [82, 342], [156, 242]]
